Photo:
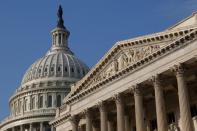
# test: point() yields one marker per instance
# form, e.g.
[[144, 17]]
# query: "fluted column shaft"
[[41, 126], [30, 127], [139, 113], [120, 113], [54, 102], [110, 126], [52, 128], [160, 104], [127, 123], [185, 114], [103, 116], [74, 122], [21, 127], [88, 120]]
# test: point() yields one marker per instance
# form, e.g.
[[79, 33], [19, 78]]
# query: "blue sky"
[[95, 25]]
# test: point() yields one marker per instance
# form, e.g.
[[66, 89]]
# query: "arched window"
[[49, 101], [33, 103], [59, 69], [40, 101], [59, 101]]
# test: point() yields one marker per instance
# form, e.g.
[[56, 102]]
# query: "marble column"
[[184, 104], [54, 102], [74, 122], [127, 123], [95, 126], [139, 111], [36, 101], [41, 126], [110, 126], [52, 128], [120, 112], [160, 104], [88, 120], [30, 127], [21, 127], [103, 116], [45, 100], [13, 129]]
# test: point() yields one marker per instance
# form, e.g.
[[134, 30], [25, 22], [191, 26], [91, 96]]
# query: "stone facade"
[[142, 84]]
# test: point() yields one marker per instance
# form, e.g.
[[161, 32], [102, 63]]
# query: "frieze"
[[124, 59]]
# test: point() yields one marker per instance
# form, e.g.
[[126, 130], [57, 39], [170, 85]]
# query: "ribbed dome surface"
[[58, 64]]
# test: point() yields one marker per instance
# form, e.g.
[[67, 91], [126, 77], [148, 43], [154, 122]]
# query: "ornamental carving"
[[178, 69], [173, 127], [122, 60]]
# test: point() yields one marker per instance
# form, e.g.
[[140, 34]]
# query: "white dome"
[[55, 65]]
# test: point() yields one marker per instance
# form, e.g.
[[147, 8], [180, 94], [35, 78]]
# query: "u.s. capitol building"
[[147, 83]]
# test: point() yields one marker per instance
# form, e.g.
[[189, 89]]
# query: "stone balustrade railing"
[[29, 114]]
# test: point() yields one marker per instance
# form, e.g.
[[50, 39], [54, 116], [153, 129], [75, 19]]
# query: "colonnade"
[[38, 126], [122, 121]]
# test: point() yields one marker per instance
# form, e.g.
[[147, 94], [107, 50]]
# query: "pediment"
[[124, 54], [190, 21], [123, 59]]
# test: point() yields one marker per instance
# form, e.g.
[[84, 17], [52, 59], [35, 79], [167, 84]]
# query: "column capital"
[[74, 119], [118, 98], [87, 112], [178, 69], [156, 81], [137, 89], [101, 105]]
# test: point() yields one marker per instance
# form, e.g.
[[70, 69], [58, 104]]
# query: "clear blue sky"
[[95, 25]]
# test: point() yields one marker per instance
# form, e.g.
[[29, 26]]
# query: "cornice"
[[61, 119], [148, 59], [14, 119]]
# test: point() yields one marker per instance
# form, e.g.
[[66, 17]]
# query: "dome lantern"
[[60, 34]]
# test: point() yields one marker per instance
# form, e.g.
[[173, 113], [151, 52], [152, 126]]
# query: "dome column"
[[30, 127], [54, 102], [41, 126]]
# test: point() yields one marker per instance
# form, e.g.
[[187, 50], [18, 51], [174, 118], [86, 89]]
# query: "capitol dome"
[[45, 84], [59, 63], [54, 65]]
